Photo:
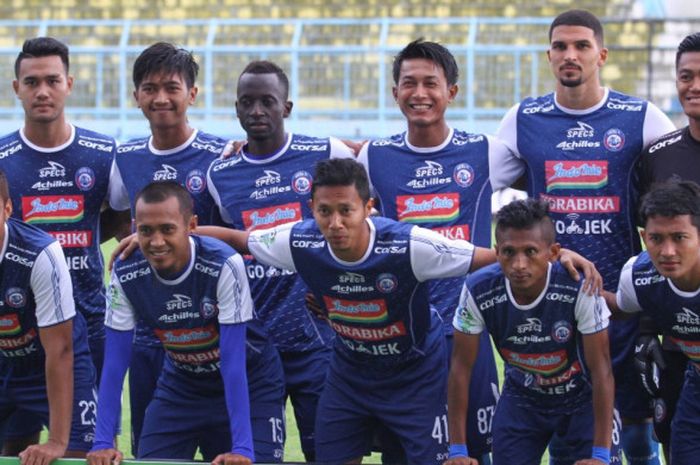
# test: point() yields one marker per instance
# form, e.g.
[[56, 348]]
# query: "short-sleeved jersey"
[[36, 292], [673, 156], [444, 188], [378, 305], [62, 190], [184, 312], [676, 312], [540, 342], [256, 193]]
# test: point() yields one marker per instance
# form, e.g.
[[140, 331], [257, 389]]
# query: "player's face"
[[688, 83], [340, 214], [575, 55], [163, 235], [524, 257], [423, 93], [43, 86], [261, 106], [164, 99], [674, 247]]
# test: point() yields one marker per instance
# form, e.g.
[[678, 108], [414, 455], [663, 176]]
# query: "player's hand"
[[231, 459], [42, 454], [314, 307], [461, 461], [232, 148], [649, 362], [104, 457], [354, 146], [575, 263], [124, 248]]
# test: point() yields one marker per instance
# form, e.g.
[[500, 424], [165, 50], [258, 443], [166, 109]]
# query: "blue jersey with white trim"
[[540, 342], [257, 193], [446, 190], [21, 352], [62, 190]]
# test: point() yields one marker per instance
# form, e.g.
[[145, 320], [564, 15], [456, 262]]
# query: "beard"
[[571, 82]]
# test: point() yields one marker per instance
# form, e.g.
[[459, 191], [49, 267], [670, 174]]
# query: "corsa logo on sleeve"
[[53, 209], [576, 174], [543, 364], [427, 207], [366, 311], [265, 218]]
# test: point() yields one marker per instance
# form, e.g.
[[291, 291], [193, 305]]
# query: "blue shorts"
[[521, 433], [631, 399], [144, 369], [685, 428], [267, 402], [483, 396], [28, 395], [21, 425], [304, 376], [408, 399], [96, 341]]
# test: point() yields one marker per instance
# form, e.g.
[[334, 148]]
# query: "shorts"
[[144, 370], [631, 399], [670, 386], [96, 342], [685, 428]]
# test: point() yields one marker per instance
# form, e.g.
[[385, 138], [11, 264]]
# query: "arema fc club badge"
[[463, 175], [386, 283], [301, 182], [15, 297], [85, 178], [208, 308], [561, 331], [195, 182], [614, 140]]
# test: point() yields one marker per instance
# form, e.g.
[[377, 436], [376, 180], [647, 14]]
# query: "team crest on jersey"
[[53, 209], [301, 182], [614, 140], [427, 207], [582, 174], [463, 175], [208, 308], [9, 325], [85, 178], [15, 297], [561, 331], [386, 283], [195, 182]]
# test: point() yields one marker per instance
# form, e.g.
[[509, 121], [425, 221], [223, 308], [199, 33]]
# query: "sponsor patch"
[[269, 217], [463, 175], [188, 338], [602, 204], [301, 182], [85, 178], [387, 283], [562, 331], [614, 140], [195, 182], [370, 334], [9, 325], [427, 207], [368, 311], [53, 209], [576, 174], [73, 238], [544, 364]]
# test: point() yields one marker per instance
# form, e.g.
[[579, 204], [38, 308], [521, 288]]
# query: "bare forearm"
[[603, 395], [457, 404], [233, 237]]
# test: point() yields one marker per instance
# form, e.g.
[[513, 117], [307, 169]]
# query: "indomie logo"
[[544, 364], [369, 311], [428, 207], [53, 209], [264, 218], [576, 174]]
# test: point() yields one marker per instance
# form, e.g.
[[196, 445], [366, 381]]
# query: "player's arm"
[[115, 224], [53, 293], [506, 166], [575, 263], [235, 238], [235, 308], [119, 330]]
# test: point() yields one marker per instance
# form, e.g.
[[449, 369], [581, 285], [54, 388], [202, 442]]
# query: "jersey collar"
[[585, 111], [177, 149], [48, 149]]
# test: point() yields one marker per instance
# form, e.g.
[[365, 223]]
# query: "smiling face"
[[422, 93], [42, 85], [673, 245], [164, 99], [575, 56], [163, 235], [688, 84]]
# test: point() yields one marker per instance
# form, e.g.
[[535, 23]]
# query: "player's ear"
[[288, 108], [395, 93], [15, 85], [643, 233], [136, 99], [310, 204], [8, 208], [554, 250], [192, 224], [192, 91], [69, 83], [603, 57], [453, 92]]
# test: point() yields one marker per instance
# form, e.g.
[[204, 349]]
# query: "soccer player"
[[164, 79], [60, 181], [577, 148], [266, 184], [674, 156], [541, 323], [45, 361], [194, 294], [664, 282], [438, 177]]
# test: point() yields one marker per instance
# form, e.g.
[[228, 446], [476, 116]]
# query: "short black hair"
[[4, 188], [267, 67], [341, 172], [669, 199], [691, 43], [526, 214], [160, 191], [431, 51], [164, 57], [579, 18], [42, 47]]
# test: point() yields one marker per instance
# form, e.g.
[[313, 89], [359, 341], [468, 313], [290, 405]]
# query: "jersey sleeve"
[[51, 284], [272, 247], [434, 256], [626, 296], [505, 163], [363, 159], [118, 196], [339, 149], [468, 319], [656, 124], [214, 192], [591, 313], [120, 313], [233, 293]]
